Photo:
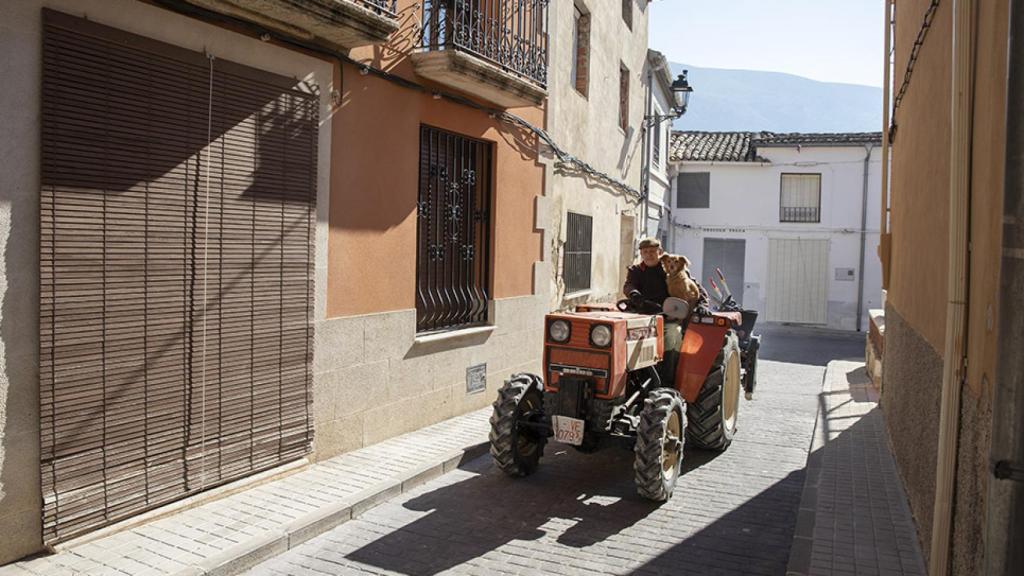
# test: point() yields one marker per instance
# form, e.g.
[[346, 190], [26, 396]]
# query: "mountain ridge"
[[726, 99]]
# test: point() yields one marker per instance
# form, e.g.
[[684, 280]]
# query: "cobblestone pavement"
[[855, 519], [732, 513]]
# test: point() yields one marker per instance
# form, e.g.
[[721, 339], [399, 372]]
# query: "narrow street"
[[732, 513]]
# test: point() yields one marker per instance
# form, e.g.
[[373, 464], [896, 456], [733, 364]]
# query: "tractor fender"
[[701, 344]]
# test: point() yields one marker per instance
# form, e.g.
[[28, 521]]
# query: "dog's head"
[[674, 264]]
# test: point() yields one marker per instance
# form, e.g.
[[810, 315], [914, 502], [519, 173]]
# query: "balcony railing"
[[800, 214], [510, 34], [382, 7]]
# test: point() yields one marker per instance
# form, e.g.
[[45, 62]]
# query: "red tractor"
[[601, 386]]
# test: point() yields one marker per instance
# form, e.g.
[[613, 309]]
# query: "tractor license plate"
[[568, 430]]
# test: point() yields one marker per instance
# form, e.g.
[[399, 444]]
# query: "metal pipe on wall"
[[883, 237], [863, 236], [953, 357], [1004, 514], [645, 162]]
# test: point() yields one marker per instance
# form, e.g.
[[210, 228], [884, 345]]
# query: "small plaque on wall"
[[847, 274], [476, 378]]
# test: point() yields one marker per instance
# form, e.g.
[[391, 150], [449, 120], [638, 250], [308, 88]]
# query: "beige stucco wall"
[[373, 380], [20, 69], [588, 128]]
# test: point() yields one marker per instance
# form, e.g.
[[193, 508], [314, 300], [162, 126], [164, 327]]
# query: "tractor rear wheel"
[[517, 451], [659, 444], [712, 417]]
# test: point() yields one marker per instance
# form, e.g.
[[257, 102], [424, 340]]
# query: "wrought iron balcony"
[[799, 214], [385, 7], [340, 23], [495, 49]]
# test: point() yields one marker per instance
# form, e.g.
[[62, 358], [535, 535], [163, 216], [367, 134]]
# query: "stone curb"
[[245, 555], [803, 535]]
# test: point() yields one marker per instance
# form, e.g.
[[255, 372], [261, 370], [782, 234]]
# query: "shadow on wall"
[[20, 492], [183, 169]]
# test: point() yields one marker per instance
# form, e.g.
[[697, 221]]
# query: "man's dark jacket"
[[648, 280]]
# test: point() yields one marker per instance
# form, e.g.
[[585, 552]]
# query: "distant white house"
[[791, 220]]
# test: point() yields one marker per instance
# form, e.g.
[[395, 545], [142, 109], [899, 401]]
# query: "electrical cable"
[[915, 51], [563, 157]]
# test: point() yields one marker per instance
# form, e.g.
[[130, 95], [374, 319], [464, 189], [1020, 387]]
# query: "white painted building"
[[597, 85], [659, 136], [781, 215]]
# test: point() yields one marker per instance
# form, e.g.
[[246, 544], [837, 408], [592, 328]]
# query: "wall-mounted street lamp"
[[681, 91]]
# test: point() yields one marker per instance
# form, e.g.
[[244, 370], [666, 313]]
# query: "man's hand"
[[635, 298]]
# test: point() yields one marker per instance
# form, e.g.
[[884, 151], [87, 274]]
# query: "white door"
[[797, 281]]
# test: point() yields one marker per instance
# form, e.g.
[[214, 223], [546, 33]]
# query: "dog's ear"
[[686, 261], [665, 257]]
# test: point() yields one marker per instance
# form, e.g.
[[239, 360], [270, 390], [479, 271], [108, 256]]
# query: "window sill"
[[453, 334], [577, 294]]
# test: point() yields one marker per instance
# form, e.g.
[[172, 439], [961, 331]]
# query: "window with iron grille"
[[581, 51], [453, 242], [800, 198], [578, 241], [623, 97]]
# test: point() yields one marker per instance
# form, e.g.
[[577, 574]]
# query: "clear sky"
[[828, 40]]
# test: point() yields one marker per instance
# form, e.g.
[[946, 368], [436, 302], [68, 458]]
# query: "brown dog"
[[677, 275]]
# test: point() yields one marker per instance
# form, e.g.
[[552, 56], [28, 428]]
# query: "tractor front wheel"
[[517, 450], [659, 444], [713, 416]]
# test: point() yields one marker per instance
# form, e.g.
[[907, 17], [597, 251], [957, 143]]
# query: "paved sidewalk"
[[854, 518], [231, 534]]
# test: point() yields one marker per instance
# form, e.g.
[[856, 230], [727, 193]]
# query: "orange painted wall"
[[374, 178], [920, 181], [920, 174]]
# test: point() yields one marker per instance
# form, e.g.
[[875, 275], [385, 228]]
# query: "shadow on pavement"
[[468, 519], [806, 345], [846, 526]]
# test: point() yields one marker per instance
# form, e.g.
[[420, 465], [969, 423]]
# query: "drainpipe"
[[863, 236], [953, 359], [1004, 514], [884, 243]]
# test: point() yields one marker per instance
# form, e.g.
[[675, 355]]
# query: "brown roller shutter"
[[176, 273]]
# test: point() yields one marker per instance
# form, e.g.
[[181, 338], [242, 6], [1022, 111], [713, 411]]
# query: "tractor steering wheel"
[[644, 306]]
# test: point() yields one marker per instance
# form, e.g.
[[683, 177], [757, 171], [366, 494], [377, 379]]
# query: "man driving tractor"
[[646, 287]]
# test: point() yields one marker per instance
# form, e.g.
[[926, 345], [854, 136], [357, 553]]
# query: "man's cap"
[[650, 243]]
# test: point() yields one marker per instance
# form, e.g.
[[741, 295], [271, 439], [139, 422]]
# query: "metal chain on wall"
[[915, 51]]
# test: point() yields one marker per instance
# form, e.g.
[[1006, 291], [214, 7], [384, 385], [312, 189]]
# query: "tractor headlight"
[[559, 330], [601, 335]]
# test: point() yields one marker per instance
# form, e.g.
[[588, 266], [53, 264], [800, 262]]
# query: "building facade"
[[659, 130], [944, 322], [598, 87], [786, 217], [235, 240]]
